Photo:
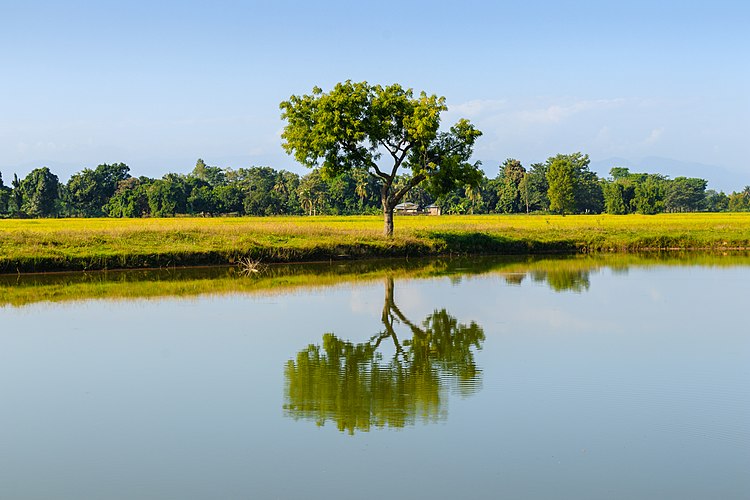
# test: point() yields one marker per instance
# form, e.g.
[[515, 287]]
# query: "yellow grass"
[[74, 244]]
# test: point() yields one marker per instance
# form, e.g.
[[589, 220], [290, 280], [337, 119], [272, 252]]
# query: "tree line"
[[562, 184]]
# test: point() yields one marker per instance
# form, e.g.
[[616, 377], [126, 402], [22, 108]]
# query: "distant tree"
[[587, 196], [286, 187], [649, 194], [561, 180], [716, 202], [740, 202], [355, 125], [201, 198], [619, 173], [5, 197], [230, 198], [214, 176], [258, 187], [512, 174], [16, 194], [88, 191], [536, 187], [167, 196], [313, 193], [130, 198], [684, 194], [40, 192], [613, 198]]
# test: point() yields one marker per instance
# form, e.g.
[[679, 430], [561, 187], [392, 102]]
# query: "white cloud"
[[557, 113], [479, 107], [654, 136]]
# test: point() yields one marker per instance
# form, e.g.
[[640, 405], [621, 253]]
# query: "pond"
[[582, 377]]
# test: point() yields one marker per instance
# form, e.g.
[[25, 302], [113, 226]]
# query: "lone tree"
[[357, 126]]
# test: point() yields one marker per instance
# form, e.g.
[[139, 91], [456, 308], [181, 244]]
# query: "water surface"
[[515, 378]]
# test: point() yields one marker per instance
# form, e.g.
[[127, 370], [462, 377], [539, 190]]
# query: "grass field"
[[89, 244]]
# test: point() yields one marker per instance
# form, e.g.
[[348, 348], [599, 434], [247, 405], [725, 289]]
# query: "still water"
[[576, 378]]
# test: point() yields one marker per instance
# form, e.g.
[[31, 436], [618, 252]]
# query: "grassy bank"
[[90, 244]]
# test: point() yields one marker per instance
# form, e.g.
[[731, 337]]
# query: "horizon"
[[159, 86]]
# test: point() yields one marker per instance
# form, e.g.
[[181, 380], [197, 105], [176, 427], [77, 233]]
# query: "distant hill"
[[719, 178]]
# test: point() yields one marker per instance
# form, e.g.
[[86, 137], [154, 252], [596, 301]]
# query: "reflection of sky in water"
[[634, 388]]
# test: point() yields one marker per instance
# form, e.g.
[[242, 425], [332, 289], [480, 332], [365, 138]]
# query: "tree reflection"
[[560, 280], [357, 386]]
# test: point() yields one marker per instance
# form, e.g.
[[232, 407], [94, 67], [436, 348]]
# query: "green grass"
[[91, 244]]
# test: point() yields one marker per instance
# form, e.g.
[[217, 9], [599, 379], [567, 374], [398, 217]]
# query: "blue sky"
[[158, 86]]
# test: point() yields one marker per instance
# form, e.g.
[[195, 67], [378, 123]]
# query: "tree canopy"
[[379, 130]]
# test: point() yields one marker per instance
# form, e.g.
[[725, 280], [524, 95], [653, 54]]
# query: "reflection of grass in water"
[[564, 273], [78, 244]]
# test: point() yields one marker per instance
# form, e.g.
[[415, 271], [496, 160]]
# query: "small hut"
[[433, 209], [407, 208]]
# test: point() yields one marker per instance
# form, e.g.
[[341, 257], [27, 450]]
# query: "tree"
[[716, 202], [40, 192], [740, 202], [613, 198], [167, 196], [90, 190], [561, 179], [649, 194], [130, 198], [5, 197], [214, 176], [536, 187], [509, 193], [312, 193], [380, 130], [685, 194], [16, 196]]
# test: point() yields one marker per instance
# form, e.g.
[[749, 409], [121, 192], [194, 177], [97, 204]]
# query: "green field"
[[90, 244]]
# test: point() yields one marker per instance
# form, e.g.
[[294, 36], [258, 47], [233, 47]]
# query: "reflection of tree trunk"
[[391, 312], [388, 318]]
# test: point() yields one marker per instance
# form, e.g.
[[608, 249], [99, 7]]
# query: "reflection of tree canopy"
[[356, 387], [559, 280]]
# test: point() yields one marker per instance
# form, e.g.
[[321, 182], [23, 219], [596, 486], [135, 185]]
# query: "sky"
[[158, 85]]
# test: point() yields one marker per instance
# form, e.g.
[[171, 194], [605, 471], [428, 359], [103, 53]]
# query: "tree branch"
[[412, 182]]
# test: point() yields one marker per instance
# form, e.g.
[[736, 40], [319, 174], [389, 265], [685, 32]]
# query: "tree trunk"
[[388, 220]]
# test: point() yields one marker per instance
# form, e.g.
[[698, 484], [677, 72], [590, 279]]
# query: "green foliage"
[[649, 195], [685, 194], [5, 198], [167, 196], [40, 192], [575, 188], [89, 191], [509, 198], [614, 202], [716, 202], [213, 176], [561, 180], [356, 125], [130, 199], [536, 188], [740, 202]]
